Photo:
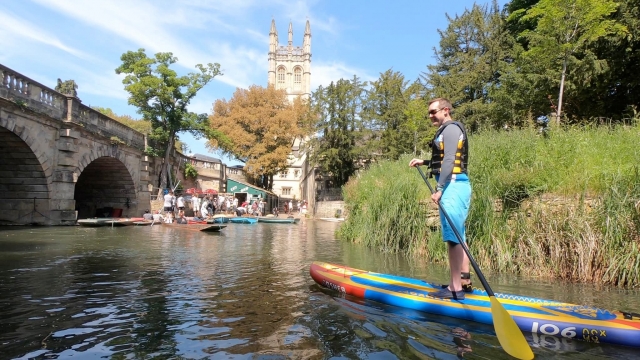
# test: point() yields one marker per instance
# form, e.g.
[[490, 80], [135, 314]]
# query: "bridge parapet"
[[98, 123], [31, 94]]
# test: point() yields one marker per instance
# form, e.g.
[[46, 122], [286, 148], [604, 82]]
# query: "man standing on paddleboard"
[[449, 157]]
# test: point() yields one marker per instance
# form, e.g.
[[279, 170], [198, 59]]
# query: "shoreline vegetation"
[[565, 205]]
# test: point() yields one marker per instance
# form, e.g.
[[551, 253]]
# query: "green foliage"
[[499, 68], [190, 171], [614, 92], [21, 104], [565, 206], [386, 198], [418, 122], [116, 140], [565, 28], [138, 125], [162, 97], [260, 126], [339, 128], [384, 112], [475, 50]]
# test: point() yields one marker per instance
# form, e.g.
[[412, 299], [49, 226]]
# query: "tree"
[[475, 51], [260, 126], [339, 128], [137, 125], [162, 97], [615, 92], [417, 113], [564, 27], [384, 112]]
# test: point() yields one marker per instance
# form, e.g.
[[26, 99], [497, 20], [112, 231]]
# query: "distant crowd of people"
[[206, 207]]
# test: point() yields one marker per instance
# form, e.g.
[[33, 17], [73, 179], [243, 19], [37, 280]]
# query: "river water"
[[246, 293]]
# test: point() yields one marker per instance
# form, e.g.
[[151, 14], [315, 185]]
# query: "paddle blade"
[[508, 332]]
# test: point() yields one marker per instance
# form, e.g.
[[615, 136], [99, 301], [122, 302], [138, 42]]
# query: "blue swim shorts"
[[456, 199]]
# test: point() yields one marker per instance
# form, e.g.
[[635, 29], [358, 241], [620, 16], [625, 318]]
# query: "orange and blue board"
[[537, 316]]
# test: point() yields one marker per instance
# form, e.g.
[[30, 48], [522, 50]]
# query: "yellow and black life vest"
[[462, 152]]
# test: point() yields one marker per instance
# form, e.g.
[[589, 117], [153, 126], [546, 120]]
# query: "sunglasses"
[[434, 111]]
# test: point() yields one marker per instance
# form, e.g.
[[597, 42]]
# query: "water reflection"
[[245, 293]]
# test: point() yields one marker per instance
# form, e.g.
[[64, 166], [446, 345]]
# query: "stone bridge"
[[61, 160]]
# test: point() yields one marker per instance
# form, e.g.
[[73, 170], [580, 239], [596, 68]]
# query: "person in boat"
[[203, 209], [195, 204], [180, 219], [211, 207], [168, 202], [157, 217], [241, 211], [147, 216], [449, 156], [180, 202]]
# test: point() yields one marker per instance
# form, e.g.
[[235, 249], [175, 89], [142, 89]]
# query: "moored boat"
[[119, 222], [213, 228], [95, 222], [275, 220], [218, 219], [197, 227], [332, 219], [537, 316], [243, 220]]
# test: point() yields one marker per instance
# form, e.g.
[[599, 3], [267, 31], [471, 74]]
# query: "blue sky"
[[84, 39]]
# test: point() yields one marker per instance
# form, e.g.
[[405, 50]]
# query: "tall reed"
[[564, 206]]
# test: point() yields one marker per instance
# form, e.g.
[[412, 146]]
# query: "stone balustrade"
[[197, 163], [32, 95]]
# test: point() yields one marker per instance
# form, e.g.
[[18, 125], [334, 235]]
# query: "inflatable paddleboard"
[[537, 316]]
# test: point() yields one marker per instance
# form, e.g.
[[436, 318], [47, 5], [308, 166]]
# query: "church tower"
[[290, 66], [290, 69]]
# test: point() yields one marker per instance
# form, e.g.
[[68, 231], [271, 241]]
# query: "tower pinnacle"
[[290, 34], [273, 28]]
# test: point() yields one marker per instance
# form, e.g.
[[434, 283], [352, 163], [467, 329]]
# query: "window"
[[281, 73], [296, 173], [297, 79], [286, 191], [284, 174]]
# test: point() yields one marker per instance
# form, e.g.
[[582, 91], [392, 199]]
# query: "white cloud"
[[324, 73], [155, 27], [14, 26], [223, 28]]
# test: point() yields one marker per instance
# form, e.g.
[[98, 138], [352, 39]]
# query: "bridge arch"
[[104, 184], [25, 181]]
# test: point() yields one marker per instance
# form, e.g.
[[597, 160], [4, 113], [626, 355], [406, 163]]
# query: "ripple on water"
[[246, 293]]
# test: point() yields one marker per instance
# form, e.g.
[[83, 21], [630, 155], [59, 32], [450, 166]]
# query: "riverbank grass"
[[565, 206]]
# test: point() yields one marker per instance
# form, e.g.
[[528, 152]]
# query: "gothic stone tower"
[[290, 69], [289, 66]]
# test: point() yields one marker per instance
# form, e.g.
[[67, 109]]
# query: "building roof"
[[206, 158], [230, 181]]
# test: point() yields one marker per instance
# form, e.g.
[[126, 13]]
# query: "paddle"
[[509, 335]]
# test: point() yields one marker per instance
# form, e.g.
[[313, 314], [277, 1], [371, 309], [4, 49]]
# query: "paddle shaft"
[[462, 243], [509, 334]]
